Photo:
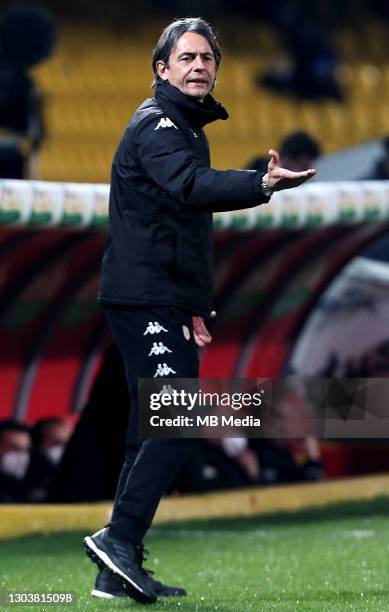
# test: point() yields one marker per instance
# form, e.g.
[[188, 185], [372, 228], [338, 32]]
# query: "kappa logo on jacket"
[[165, 122]]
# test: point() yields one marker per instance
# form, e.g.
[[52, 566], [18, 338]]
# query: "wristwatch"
[[267, 191]]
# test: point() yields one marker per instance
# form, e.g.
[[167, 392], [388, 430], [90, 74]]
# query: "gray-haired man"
[[157, 269]]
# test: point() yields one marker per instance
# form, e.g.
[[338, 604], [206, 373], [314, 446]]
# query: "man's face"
[[14, 441], [191, 67], [55, 434]]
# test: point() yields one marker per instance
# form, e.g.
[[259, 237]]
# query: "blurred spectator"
[[87, 473], [277, 462], [27, 36], [298, 151], [313, 467], [15, 446], [49, 438], [305, 32], [229, 463], [297, 421], [238, 449], [380, 172], [209, 468], [91, 464]]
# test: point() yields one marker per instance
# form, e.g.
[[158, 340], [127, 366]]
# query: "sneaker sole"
[[102, 595], [104, 562]]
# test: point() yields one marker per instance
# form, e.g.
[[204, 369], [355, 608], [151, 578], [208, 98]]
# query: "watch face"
[[267, 191]]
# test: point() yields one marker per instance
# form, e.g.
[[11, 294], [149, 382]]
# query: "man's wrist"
[[266, 190]]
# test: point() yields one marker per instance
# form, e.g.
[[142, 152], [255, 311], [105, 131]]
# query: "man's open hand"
[[280, 178]]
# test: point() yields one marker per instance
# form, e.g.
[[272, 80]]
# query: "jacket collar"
[[192, 110]]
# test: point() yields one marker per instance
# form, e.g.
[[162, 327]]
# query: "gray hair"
[[173, 32]]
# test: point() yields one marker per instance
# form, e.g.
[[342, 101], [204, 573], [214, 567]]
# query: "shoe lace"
[[141, 555]]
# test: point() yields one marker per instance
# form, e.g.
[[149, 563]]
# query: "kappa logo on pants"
[[154, 328], [159, 349], [164, 370], [167, 390]]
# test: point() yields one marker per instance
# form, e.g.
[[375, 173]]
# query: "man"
[[49, 439], [380, 170], [156, 272], [27, 36], [298, 151], [15, 447]]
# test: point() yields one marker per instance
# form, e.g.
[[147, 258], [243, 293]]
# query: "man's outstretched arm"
[[170, 160]]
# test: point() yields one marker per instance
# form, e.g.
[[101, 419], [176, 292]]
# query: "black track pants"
[[154, 342]]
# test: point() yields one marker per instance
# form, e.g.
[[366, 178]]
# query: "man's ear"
[[162, 70]]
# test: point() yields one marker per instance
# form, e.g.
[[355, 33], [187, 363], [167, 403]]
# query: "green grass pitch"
[[328, 559]]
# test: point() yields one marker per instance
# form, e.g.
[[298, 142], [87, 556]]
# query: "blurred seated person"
[[230, 463], [280, 463], [15, 446], [380, 171], [239, 461], [27, 36], [311, 70], [49, 439], [295, 418], [91, 464], [268, 461], [210, 468], [298, 151]]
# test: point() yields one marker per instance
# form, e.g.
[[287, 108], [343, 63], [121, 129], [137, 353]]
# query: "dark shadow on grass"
[[333, 512], [45, 543], [66, 541]]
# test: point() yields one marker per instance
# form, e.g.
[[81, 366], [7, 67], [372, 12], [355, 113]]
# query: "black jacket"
[[163, 192]]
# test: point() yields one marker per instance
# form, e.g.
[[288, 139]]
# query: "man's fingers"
[[200, 328], [275, 157], [200, 332], [202, 340], [198, 340], [204, 333], [306, 173], [290, 174]]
